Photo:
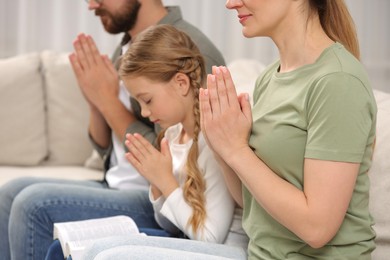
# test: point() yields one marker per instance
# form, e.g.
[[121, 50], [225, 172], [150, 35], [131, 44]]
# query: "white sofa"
[[44, 118]]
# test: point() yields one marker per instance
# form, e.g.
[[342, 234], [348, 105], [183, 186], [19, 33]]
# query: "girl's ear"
[[182, 83]]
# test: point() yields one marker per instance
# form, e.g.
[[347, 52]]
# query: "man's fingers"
[[80, 53], [85, 45], [109, 64], [76, 66], [95, 54]]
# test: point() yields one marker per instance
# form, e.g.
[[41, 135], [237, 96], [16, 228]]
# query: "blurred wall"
[[35, 25]]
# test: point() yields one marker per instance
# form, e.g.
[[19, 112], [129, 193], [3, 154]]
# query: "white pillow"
[[68, 112], [244, 74], [380, 176], [22, 117]]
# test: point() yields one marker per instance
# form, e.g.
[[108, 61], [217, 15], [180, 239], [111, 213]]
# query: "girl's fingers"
[[135, 147], [133, 161], [145, 144]]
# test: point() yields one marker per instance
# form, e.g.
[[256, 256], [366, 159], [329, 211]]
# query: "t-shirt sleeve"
[[340, 115]]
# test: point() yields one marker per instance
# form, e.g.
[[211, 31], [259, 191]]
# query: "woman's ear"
[[182, 83]]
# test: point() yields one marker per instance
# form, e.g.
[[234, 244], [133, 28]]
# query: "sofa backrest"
[[44, 116]]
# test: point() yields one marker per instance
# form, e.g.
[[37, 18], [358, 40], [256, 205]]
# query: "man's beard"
[[120, 22]]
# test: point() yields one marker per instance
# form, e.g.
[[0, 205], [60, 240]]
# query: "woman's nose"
[[232, 4]]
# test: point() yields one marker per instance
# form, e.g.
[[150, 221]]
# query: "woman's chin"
[[247, 33]]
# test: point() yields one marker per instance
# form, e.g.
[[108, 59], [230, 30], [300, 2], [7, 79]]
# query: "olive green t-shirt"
[[324, 111]]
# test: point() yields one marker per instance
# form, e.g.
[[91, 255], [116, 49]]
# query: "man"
[[29, 207]]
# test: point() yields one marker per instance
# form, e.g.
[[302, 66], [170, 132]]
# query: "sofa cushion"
[[380, 177], [67, 112], [244, 74], [8, 173], [22, 127]]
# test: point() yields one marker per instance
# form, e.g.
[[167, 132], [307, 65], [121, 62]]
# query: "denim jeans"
[[55, 251], [162, 248], [30, 206]]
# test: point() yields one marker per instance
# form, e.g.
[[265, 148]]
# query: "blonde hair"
[[158, 53], [337, 23]]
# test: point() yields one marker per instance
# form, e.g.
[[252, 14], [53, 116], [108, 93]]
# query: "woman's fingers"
[[230, 89], [221, 89], [245, 106], [205, 108], [212, 94]]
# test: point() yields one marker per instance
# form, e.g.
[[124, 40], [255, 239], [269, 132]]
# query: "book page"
[[76, 248], [91, 229]]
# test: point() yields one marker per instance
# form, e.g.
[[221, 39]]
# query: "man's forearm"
[[99, 130], [118, 117]]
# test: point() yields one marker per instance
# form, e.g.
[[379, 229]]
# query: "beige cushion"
[[8, 173], [244, 74], [380, 178], [22, 113], [68, 113]]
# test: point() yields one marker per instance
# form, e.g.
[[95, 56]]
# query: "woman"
[[305, 183]]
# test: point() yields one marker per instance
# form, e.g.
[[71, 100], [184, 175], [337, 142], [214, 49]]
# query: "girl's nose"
[[145, 112]]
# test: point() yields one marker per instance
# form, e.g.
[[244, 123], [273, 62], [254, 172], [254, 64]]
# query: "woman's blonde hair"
[[158, 53], [337, 23]]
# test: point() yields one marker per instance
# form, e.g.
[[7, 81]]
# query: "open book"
[[75, 236]]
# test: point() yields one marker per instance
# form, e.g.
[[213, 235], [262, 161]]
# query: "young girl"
[[164, 70]]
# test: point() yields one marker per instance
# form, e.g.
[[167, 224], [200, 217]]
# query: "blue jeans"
[[30, 206], [162, 248], [55, 251]]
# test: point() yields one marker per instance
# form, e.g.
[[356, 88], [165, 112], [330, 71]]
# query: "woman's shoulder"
[[337, 60]]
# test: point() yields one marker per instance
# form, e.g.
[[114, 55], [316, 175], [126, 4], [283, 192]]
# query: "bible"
[[76, 236]]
